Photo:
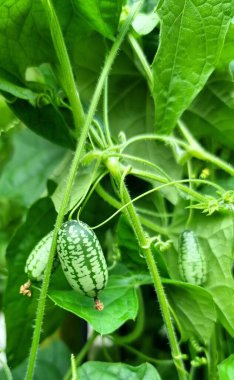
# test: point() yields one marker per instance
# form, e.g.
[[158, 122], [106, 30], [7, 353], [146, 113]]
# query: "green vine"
[[116, 171], [75, 163]]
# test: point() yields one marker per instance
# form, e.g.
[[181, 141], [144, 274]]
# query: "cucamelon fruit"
[[37, 261], [82, 259], [192, 264]]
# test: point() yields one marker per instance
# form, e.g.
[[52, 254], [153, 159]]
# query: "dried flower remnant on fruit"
[[98, 304]]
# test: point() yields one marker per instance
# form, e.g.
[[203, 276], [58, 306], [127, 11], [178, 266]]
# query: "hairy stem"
[[74, 166], [115, 169]]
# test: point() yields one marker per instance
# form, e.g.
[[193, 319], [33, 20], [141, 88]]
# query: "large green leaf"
[[101, 15], [119, 299], [26, 173], [120, 371], [39, 222], [192, 37]]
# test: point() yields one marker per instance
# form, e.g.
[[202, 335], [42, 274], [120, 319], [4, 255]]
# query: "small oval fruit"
[[192, 263], [82, 259], [38, 259]]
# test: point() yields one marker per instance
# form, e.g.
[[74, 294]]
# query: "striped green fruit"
[[82, 259], [38, 259], [192, 263]]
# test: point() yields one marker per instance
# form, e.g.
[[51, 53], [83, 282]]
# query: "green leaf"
[[102, 16], [192, 37], [39, 222], [226, 368], [119, 299], [80, 186], [194, 307], [26, 174], [111, 371], [52, 363]]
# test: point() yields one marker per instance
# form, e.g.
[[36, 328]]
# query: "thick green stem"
[[74, 166], [115, 170], [67, 76]]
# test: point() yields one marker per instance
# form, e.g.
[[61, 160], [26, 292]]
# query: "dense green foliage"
[[120, 114]]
